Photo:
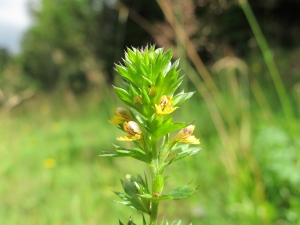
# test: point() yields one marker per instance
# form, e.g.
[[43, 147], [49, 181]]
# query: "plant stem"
[[268, 57], [154, 211], [156, 186]]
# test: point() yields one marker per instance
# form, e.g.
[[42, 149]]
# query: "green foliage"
[[135, 189], [60, 43], [149, 75], [45, 128]]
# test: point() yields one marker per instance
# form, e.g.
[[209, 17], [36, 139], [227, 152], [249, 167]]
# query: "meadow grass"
[[51, 172]]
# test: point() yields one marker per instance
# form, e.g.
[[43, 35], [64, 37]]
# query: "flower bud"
[[121, 115], [185, 135], [152, 91], [132, 128], [137, 99]]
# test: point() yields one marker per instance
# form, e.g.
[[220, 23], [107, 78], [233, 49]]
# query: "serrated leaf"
[[145, 71], [167, 84], [173, 223], [177, 222], [124, 95], [168, 127], [133, 187], [130, 222], [176, 194], [136, 153], [122, 70], [180, 98], [176, 64], [180, 193], [108, 154], [142, 120], [189, 152], [148, 82], [145, 96], [132, 91], [144, 220]]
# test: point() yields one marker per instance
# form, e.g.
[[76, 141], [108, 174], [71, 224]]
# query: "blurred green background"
[[56, 96]]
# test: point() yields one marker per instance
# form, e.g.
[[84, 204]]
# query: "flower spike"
[[150, 81]]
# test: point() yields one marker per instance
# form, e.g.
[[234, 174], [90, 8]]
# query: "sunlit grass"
[[50, 169], [51, 172]]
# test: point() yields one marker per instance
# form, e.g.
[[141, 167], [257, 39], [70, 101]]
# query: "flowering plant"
[[149, 83]]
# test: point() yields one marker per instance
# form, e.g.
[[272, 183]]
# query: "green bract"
[[148, 91], [148, 75]]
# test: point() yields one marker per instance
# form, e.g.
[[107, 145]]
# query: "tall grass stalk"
[[235, 139], [269, 60]]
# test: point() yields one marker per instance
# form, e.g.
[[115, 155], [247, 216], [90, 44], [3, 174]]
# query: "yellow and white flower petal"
[[130, 138], [164, 106], [121, 115], [132, 128], [191, 140], [134, 131], [185, 132], [185, 135]]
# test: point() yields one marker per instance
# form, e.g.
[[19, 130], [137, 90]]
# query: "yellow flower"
[[121, 115], [164, 106], [185, 135], [49, 163], [134, 131]]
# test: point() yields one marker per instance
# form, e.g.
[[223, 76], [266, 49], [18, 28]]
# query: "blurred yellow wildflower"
[[121, 115], [185, 135], [164, 106], [49, 163], [134, 131], [55, 127]]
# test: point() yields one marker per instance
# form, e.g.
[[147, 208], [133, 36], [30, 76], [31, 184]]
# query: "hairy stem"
[[156, 182]]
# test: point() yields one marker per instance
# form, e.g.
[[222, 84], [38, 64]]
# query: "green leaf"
[[130, 222], [173, 223], [124, 95], [167, 68], [142, 120], [132, 91], [122, 70], [125, 72], [176, 83], [167, 84], [180, 98], [134, 187], [144, 220], [131, 54], [180, 193], [167, 127], [136, 153], [189, 152], [148, 82], [176, 64], [176, 194]]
